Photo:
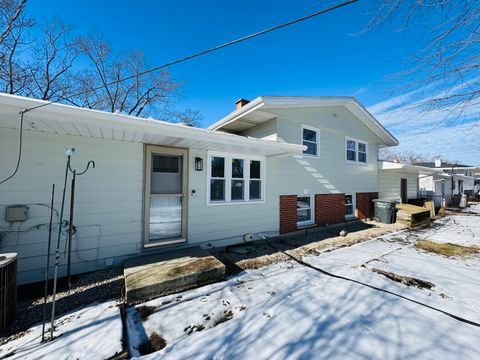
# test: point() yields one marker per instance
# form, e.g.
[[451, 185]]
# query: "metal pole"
[[48, 264], [57, 251], [70, 230]]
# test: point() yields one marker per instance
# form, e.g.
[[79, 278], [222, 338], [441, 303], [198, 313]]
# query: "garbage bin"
[[385, 211]]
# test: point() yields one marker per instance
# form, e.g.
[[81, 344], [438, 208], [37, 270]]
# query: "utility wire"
[[20, 144], [301, 262], [215, 48]]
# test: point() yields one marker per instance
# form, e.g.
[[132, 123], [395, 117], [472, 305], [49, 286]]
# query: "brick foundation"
[[364, 204], [288, 213], [329, 208]]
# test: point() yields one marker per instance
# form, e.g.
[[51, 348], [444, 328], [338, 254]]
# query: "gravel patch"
[[98, 286], [310, 242]]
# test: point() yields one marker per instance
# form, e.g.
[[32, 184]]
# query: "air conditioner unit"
[[8, 289]]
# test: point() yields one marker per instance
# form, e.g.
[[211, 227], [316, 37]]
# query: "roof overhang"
[[406, 168], [260, 110], [70, 120]]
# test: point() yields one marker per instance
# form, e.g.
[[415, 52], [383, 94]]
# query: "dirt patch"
[[145, 311], [405, 280], [227, 315], [446, 249], [155, 343]]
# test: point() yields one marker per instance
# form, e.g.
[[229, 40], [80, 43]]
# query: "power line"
[[20, 144], [204, 52]]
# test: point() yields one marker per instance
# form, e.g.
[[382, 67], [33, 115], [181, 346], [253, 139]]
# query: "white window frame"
[[312, 211], [228, 178], [357, 141], [317, 132], [354, 206]]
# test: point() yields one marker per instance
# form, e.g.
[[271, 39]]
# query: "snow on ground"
[[290, 311], [93, 332]]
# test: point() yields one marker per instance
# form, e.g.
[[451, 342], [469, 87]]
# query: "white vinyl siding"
[[235, 178], [389, 184]]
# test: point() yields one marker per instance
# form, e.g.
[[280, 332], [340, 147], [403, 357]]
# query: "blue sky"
[[324, 56]]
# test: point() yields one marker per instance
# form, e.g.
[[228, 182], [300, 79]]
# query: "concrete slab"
[[156, 275]]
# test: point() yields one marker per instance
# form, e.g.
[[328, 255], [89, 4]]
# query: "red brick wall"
[[329, 208], [365, 205], [288, 213]]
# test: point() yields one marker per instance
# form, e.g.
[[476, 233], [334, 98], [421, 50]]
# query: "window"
[[356, 151], [235, 178], [217, 178], [310, 138], [349, 206], [304, 210]]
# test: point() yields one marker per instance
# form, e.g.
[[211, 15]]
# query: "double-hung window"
[[356, 151], [311, 139], [235, 178], [304, 210], [349, 206]]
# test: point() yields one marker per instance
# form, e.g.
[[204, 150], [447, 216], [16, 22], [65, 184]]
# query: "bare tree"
[[405, 157], [103, 86], [448, 64], [14, 74], [10, 11], [54, 56], [187, 117]]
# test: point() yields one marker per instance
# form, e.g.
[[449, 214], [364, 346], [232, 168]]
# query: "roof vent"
[[240, 103], [438, 163]]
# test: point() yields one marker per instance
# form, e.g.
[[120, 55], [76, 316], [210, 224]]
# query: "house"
[[400, 182], [449, 182], [274, 165]]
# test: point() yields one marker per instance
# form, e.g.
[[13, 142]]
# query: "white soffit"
[[69, 120]]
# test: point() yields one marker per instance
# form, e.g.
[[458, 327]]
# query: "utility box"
[[16, 213], [385, 211]]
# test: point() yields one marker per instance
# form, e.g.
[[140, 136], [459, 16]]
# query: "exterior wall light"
[[198, 164]]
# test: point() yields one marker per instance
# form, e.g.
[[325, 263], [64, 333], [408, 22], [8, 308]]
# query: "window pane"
[[351, 145], [237, 189], [218, 166], [309, 135], [254, 169], [351, 155], [304, 215], [165, 164], [311, 148], [362, 157], [362, 147], [349, 210], [303, 202], [255, 192], [348, 199], [217, 190], [237, 168]]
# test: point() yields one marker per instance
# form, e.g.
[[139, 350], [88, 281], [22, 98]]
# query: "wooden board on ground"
[[412, 215], [429, 205]]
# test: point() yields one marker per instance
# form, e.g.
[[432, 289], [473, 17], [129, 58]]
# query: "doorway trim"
[[147, 167]]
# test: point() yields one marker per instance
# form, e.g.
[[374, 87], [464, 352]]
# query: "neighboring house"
[[274, 165], [449, 182], [400, 182]]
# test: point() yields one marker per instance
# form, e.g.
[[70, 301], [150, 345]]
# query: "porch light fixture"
[[198, 164]]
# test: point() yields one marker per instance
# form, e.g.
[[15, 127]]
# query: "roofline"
[[407, 167], [128, 121], [262, 101]]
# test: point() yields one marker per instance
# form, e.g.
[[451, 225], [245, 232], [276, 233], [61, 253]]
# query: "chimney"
[[438, 163], [240, 103]]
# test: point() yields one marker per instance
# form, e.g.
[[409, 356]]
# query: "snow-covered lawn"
[[93, 332], [291, 311]]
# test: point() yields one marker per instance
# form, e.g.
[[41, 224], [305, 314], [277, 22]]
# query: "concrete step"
[[166, 273]]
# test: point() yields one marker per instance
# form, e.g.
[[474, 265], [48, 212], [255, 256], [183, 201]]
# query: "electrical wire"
[[207, 51], [301, 262], [20, 144]]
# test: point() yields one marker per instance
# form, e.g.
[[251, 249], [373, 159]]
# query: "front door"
[[403, 191], [165, 195]]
